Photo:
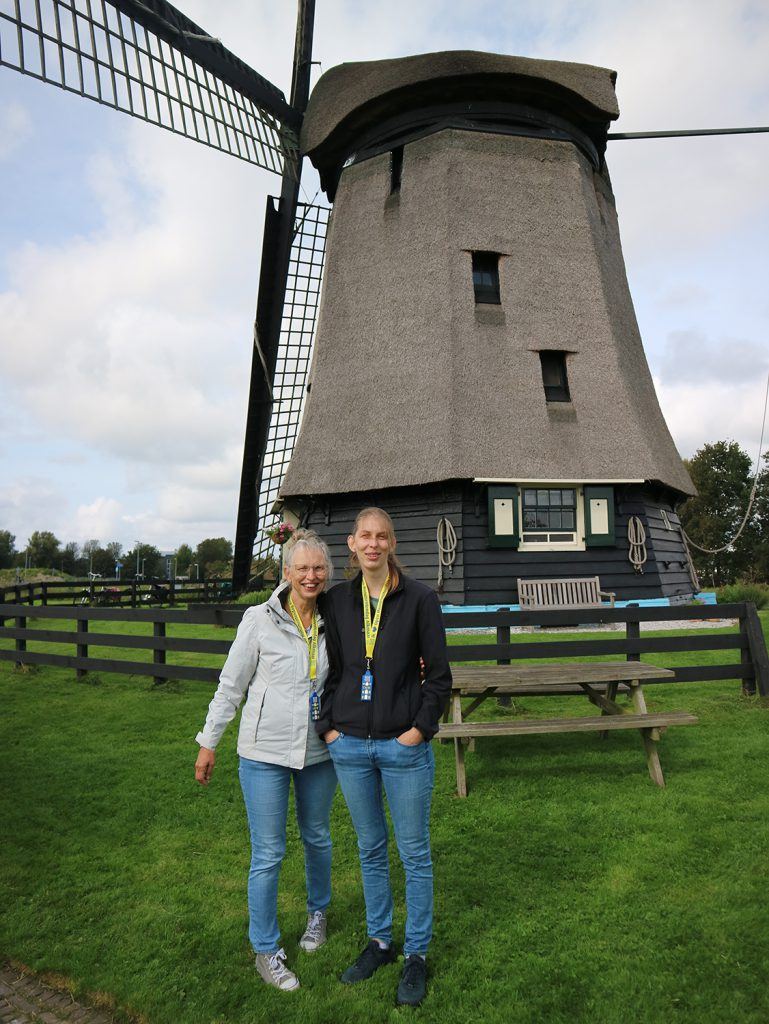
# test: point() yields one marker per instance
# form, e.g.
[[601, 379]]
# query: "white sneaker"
[[315, 932], [273, 970]]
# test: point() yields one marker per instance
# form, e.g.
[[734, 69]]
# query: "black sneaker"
[[371, 959], [413, 983]]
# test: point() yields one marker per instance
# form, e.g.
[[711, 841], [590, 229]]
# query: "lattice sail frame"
[[92, 48], [297, 336]]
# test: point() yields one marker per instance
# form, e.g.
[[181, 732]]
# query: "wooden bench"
[[599, 681], [584, 592]]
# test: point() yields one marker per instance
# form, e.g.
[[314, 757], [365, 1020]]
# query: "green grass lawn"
[[568, 887]]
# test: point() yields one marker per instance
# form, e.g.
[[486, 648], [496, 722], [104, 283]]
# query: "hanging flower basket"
[[281, 533]]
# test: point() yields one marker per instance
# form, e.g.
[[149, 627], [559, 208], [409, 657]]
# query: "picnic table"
[[601, 682]]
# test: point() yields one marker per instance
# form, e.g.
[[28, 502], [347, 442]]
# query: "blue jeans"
[[265, 791], [363, 767]]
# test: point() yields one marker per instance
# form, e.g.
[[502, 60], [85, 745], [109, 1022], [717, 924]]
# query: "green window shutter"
[[599, 517], [504, 531]]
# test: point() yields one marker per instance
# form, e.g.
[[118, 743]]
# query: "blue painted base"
[[704, 597]]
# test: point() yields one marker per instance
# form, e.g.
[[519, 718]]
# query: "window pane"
[[551, 373], [543, 522], [529, 520], [485, 275], [555, 497], [567, 520], [529, 497], [554, 377], [555, 519], [542, 498], [568, 498]]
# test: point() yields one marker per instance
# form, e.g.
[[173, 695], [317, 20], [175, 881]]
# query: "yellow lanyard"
[[311, 641], [370, 629]]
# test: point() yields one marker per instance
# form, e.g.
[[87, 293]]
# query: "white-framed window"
[[552, 518]]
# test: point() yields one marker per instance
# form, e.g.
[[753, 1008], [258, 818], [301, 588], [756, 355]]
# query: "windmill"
[[147, 59]]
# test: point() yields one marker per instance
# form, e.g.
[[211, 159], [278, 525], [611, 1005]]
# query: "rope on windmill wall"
[[690, 562], [730, 544], [636, 538], [447, 548]]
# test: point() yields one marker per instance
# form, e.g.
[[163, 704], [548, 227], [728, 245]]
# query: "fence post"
[[21, 645], [82, 649], [757, 650], [632, 632], [159, 653], [133, 594], [44, 594], [503, 637]]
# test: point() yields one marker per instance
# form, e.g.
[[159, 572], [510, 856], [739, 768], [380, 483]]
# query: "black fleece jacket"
[[411, 627]]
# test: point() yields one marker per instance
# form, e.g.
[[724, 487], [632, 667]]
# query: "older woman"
[[378, 718], [278, 662]]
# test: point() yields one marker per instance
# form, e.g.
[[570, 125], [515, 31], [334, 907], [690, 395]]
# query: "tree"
[[43, 549], [70, 557], [150, 562], [722, 474], [213, 555], [185, 556], [7, 549], [89, 550]]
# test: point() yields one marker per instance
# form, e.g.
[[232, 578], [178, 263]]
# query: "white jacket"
[[268, 663]]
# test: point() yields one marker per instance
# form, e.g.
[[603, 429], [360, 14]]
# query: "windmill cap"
[[350, 98]]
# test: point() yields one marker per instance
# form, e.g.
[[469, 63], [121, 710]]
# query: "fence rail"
[[114, 592], [747, 640]]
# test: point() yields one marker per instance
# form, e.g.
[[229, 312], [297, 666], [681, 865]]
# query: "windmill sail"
[[297, 333], [149, 60]]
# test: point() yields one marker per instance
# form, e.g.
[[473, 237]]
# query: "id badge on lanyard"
[[312, 650], [370, 632]]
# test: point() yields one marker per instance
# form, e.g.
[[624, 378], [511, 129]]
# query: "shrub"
[[253, 597], [757, 593]]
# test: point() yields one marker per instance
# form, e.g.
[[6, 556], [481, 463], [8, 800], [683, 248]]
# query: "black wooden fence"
[[750, 662], [105, 592]]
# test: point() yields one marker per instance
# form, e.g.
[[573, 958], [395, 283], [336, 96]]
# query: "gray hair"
[[308, 539]]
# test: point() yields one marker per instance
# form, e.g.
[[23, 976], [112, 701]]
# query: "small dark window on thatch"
[[396, 169], [486, 277], [554, 378]]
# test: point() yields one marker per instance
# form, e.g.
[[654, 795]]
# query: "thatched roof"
[[349, 87], [412, 381]]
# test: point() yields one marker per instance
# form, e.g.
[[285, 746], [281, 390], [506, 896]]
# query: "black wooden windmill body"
[[475, 285]]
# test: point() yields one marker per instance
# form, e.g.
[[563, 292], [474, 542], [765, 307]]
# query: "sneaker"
[[371, 959], [273, 970], [413, 983], [315, 932]]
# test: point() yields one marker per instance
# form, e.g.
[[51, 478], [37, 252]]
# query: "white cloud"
[[713, 411], [98, 520], [15, 128], [693, 357]]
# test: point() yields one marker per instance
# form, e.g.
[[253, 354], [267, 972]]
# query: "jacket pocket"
[[252, 712]]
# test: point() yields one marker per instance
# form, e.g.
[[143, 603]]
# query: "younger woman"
[[377, 719]]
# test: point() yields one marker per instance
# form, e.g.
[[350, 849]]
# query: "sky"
[[129, 257]]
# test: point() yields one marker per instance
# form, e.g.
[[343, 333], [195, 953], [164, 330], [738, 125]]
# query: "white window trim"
[[578, 544]]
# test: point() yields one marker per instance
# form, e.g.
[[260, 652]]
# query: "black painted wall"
[[484, 575]]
